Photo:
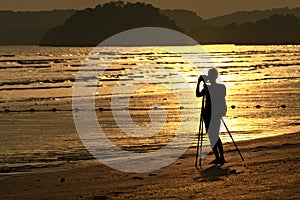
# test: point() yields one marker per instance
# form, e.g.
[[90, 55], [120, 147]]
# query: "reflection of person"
[[215, 108]]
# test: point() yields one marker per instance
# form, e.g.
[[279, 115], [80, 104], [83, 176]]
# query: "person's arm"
[[203, 91]]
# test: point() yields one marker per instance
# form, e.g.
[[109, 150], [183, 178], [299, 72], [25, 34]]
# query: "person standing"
[[215, 108]]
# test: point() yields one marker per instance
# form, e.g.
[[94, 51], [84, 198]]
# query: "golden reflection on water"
[[139, 108], [249, 82], [262, 83]]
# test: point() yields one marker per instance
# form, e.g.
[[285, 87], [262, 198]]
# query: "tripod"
[[200, 136]]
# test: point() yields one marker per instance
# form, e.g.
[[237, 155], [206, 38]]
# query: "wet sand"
[[270, 171]]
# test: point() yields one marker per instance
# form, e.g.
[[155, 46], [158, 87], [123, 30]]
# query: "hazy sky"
[[204, 8]]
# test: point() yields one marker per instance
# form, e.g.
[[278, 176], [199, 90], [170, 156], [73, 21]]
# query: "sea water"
[[37, 83]]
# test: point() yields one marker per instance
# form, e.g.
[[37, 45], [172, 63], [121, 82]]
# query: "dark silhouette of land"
[[184, 18], [91, 26], [194, 26], [28, 28], [83, 28], [251, 16], [277, 29]]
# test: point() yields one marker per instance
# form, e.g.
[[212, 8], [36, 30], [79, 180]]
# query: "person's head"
[[212, 75]]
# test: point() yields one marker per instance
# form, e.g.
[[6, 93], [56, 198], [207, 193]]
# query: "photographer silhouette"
[[215, 108]]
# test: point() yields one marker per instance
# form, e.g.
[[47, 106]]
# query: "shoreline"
[[270, 170], [35, 146]]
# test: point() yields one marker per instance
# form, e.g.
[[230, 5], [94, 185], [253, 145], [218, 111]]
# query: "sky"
[[204, 8]]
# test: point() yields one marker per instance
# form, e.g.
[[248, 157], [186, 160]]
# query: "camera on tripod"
[[203, 78]]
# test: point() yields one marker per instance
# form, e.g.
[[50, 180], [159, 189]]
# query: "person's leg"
[[221, 151], [215, 150], [216, 153], [213, 138]]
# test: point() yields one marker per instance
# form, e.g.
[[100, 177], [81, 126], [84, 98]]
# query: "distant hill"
[[194, 26], [183, 18], [257, 27], [89, 27], [28, 28], [277, 29], [276, 26], [251, 16]]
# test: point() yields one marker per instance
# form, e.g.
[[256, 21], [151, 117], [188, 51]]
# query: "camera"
[[202, 78]]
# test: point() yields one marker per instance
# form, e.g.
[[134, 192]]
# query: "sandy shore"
[[270, 171]]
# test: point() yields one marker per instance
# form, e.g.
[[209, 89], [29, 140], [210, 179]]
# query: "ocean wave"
[[28, 82], [25, 67], [36, 88]]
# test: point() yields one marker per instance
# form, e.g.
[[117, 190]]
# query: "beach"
[[43, 154], [270, 171]]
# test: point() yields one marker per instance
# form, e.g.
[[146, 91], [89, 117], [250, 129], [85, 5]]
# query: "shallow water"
[[262, 84]]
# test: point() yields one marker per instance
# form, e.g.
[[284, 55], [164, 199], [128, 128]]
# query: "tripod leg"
[[233, 140], [201, 141], [197, 152], [200, 135]]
